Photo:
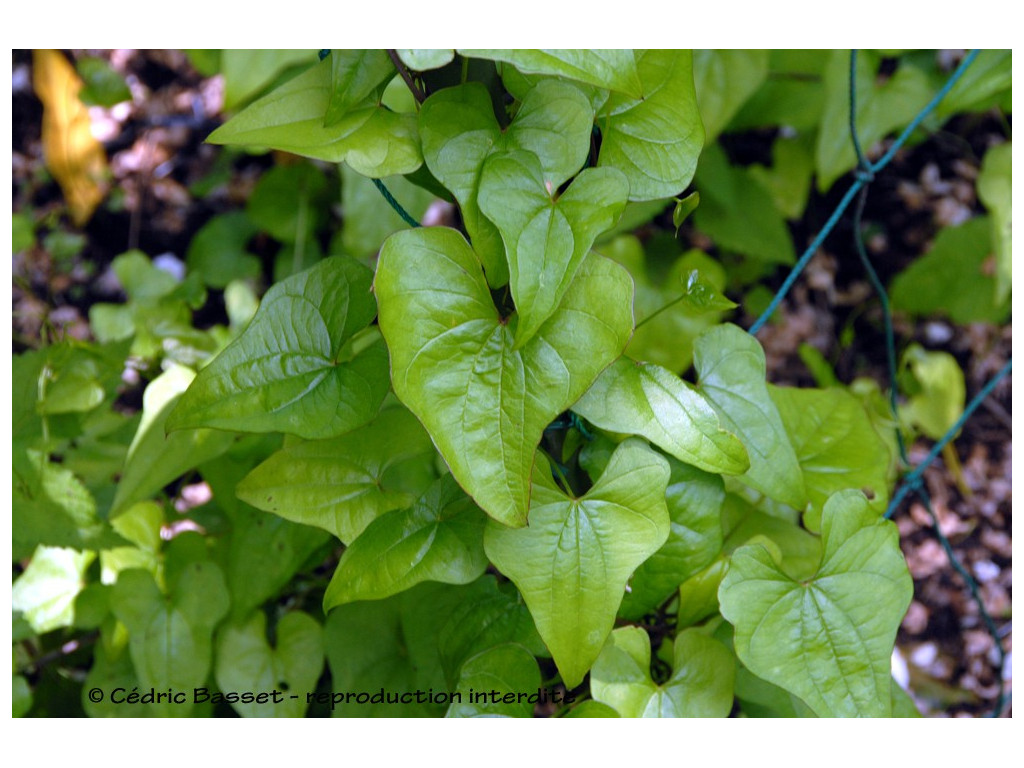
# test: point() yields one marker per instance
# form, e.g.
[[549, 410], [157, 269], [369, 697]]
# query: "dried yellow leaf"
[[73, 155]]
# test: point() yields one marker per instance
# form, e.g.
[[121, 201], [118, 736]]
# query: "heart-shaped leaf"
[[645, 399], [731, 371], [654, 139], [546, 236], [701, 684], [454, 364], [827, 639], [459, 130], [611, 68], [247, 663], [171, 639], [372, 139], [305, 365], [341, 484], [572, 563], [724, 80], [439, 538]]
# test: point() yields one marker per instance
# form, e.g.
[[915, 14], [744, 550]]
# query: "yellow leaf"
[[74, 157]]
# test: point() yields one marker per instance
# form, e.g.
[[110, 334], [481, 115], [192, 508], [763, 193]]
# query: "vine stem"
[[406, 76]]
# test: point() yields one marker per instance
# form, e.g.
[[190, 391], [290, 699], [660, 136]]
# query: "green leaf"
[[45, 593], [425, 59], [171, 637], [793, 94], [156, 458], [654, 138], [698, 595], [355, 74], [102, 85], [496, 614], [684, 207], [389, 648], [21, 696], [788, 181], [644, 399], [342, 484], [247, 71], [459, 131], [290, 202], [738, 213], [369, 219], [572, 563], [372, 139], [51, 506], [724, 80], [454, 363], [498, 682], [881, 108], [938, 391], [23, 234], [700, 686], [439, 538], [994, 190], [694, 499], [990, 75], [264, 553], [546, 235], [800, 551], [140, 524], [667, 321], [836, 445], [956, 278], [246, 663], [304, 365], [827, 639], [614, 69], [218, 250], [731, 373], [591, 708]]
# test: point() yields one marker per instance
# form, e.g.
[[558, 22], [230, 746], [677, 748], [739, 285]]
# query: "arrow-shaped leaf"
[[302, 366], [572, 563], [827, 639], [546, 236], [454, 364]]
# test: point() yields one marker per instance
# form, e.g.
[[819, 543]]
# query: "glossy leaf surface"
[[654, 139], [644, 399], [614, 69], [439, 538], [459, 130], [302, 366], [572, 563], [341, 485], [547, 236], [372, 139], [826, 639], [731, 373], [455, 365]]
